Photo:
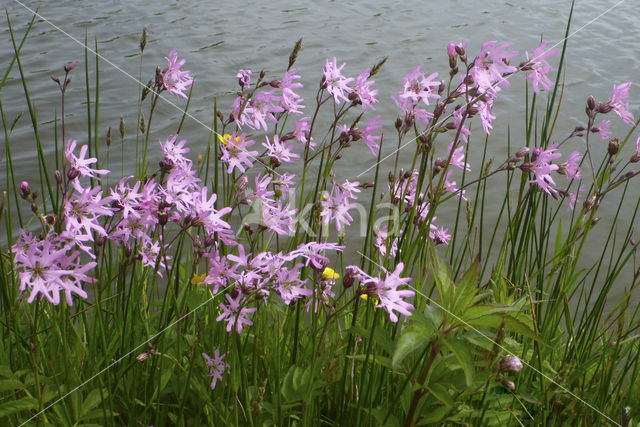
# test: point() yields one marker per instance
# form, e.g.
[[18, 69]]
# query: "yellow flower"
[[330, 274], [366, 298], [196, 279], [226, 139]]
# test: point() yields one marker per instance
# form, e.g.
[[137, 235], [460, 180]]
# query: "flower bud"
[[614, 146], [509, 384], [398, 123], [635, 158], [142, 357], [70, 66], [109, 137], [522, 152], [604, 108], [349, 278], [591, 103], [127, 251], [510, 364], [25, 190], [163, 218], [55, 79], [73, 173], [58, 176]]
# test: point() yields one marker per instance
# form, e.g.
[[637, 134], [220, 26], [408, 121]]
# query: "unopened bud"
[[522, 152], [220, 115], [509, 384], [109, 137], [614, 146], [398, 123], [142, 357], [349, 278], [591, 103], [73, 173], [70, 66], [55, 79], [58, 176], [24, 188], [163, 218], [588, 204], [604, 108], [635, 158], [510, 364]]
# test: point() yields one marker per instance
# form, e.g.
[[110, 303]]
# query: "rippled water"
[[218, 39]]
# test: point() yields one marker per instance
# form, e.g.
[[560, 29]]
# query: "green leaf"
[[10, 385], [462, 354], [443, 278], [414, 337], [93, 399], [14, 406], [467, 289], [441, 393]]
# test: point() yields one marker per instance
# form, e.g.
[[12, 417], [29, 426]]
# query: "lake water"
[[217, 39]]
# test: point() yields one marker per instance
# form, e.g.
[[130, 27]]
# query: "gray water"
[[218, 38]]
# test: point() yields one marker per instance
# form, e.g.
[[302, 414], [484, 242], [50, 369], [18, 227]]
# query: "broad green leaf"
[[92, 400], [441, 393], [13, 406], [511, 324], [466, 291], [462, 354], [443, 278], [414, 337], [10, 385]]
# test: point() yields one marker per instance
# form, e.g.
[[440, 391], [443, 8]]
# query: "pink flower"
[[291, 101], [619, 94], [302, 132], [335, 81], [234, 314], [605, 133], [175, 80], [217, 366], [362, 89], [440, 235], [538, 67], [336, 206], [49, 266], [382, 241], [367, 135], [80, 164], [490, 67], [387, 292], [418, 87], [573, 197], [450, 186], [244, 78], [280, 151], [289, 285], [257, 110], [457, 158], [83, 213], [234, 152], [175, 152], [572, 166], [542, 167]]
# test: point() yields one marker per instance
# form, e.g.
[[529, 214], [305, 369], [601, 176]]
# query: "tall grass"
[[507, 324]]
